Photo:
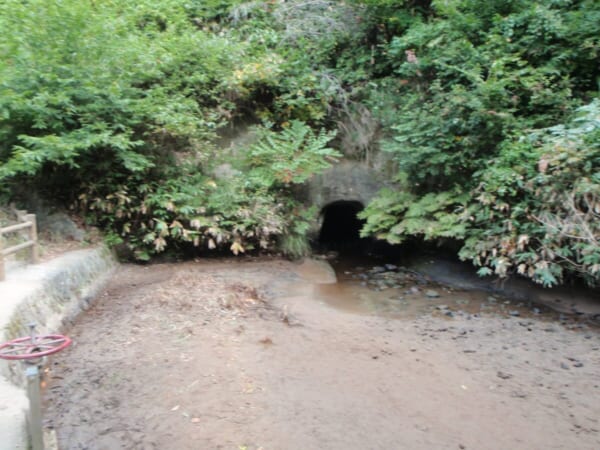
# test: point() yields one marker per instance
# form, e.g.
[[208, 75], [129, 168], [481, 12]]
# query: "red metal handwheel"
[[36, 347]]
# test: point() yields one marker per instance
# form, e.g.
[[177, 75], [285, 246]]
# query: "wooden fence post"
[[33, 237]]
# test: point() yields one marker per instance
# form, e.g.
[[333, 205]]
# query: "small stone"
[[391, 267], [578, 364], [564, 366], [503, 375], [514, 313], [441, 307], [413, 290], [432, 294], [449, 313], [491, 299]]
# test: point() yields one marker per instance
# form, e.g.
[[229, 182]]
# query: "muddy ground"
[[227, 355]]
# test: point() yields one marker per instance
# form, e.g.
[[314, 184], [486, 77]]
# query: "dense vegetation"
[[488, 111]]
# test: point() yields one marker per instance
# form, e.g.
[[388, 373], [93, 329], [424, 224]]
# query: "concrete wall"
[[347, 180], [50, 294]]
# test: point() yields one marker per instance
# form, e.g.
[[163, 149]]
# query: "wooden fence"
[[26, 221]]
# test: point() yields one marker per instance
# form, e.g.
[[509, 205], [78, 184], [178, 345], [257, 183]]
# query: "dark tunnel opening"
[[340, 229]]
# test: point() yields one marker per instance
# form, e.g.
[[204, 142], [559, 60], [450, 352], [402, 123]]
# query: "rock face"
[[347, 180]]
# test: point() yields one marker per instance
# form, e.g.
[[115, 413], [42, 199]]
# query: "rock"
[[449, 313], [491, 299], [518, 394], [377, 269], [514, 313], [432, 294], [390, 267], [413, 290], [578, 364], [504, 376], [564, 366], [441, 307], [60, 225]]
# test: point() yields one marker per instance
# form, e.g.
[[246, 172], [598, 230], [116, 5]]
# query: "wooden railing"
[[25, 221]]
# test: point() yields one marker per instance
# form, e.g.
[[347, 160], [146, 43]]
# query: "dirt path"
[[200, 356]]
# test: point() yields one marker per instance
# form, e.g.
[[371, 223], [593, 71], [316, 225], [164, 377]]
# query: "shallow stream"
[[435, 286]]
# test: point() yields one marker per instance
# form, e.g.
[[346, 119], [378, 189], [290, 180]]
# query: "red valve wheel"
[[26, 348]]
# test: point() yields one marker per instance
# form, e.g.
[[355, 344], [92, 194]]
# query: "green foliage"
[[469, 79], [288, 156], [116, 106], [396, 215], [538, 206]]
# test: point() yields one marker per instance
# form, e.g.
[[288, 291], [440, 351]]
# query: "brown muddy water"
[[438, 287]]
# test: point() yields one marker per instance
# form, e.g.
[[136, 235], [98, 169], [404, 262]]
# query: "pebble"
[[514, 313], [432, 294]]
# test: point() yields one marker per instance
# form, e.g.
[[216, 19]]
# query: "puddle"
[[403, 292]]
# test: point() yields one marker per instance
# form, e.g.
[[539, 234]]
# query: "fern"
[[290, 156]]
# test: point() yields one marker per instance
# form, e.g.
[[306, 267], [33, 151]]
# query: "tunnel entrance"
[[340, 229]]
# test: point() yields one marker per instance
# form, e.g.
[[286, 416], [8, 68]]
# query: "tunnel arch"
[[340, 225]]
